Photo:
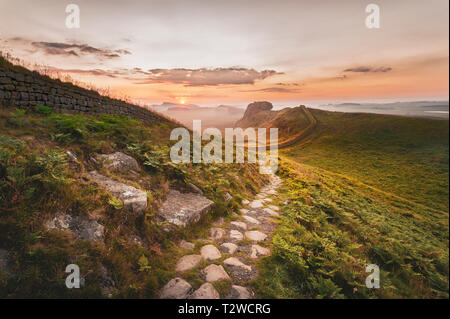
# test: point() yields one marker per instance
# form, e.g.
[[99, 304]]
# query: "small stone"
[[236, 263], [229, 248], [273, 207], [259, 251], [255, 235], [256, 204], [272, 192], [176, 288], [188, 262], [214, 273], [219, 222], [267, 199], [245, 202], [239, 292], [239, 225], [243, 211], [227, 197], [210, 252], [236, 235], [206, 291], [251, 220], [216, 233], [270, 212], [186, 245]]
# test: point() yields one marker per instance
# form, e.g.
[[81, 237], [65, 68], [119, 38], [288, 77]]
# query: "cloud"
[[186, 77], [274, 90], [73, 49], [207, 77], [365, 69]]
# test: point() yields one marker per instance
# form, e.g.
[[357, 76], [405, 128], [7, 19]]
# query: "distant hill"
[[428, 109], [220, 117]]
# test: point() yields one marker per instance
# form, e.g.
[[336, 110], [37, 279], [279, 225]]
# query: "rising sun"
[[182, 101]]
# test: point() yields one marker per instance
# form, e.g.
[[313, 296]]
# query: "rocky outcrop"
[[133, 199], [183, 209], [82, 227], [119, 161], [256, 113]]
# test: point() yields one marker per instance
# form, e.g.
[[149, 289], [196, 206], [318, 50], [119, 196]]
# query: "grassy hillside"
[[333, 227], [407, 157], [37, 180], [363, 189]]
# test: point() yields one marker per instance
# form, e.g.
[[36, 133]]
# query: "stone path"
[[231, 251]]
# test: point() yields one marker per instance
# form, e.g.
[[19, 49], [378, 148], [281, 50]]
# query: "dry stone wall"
[[25, 89]]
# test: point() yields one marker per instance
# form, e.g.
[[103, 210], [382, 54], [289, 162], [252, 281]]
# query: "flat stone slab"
[[259, 251], [272, 192], [133, 199], [236, 263], [239, 292], [119, 161], [186, 245], [256, 204], [206, 291], [239, 225], [228, 248], [236, 235], [255, 235], [188, 262], [182, 209], [210, 252], [245, 202], [214, 273], [267, 199], [251, 220], [176, 288], [216, 233]]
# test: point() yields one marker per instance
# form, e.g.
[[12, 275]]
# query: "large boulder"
[[119, 161], [133, 199], [183, 209]]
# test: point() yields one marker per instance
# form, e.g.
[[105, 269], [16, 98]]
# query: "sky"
[[235, 52]]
